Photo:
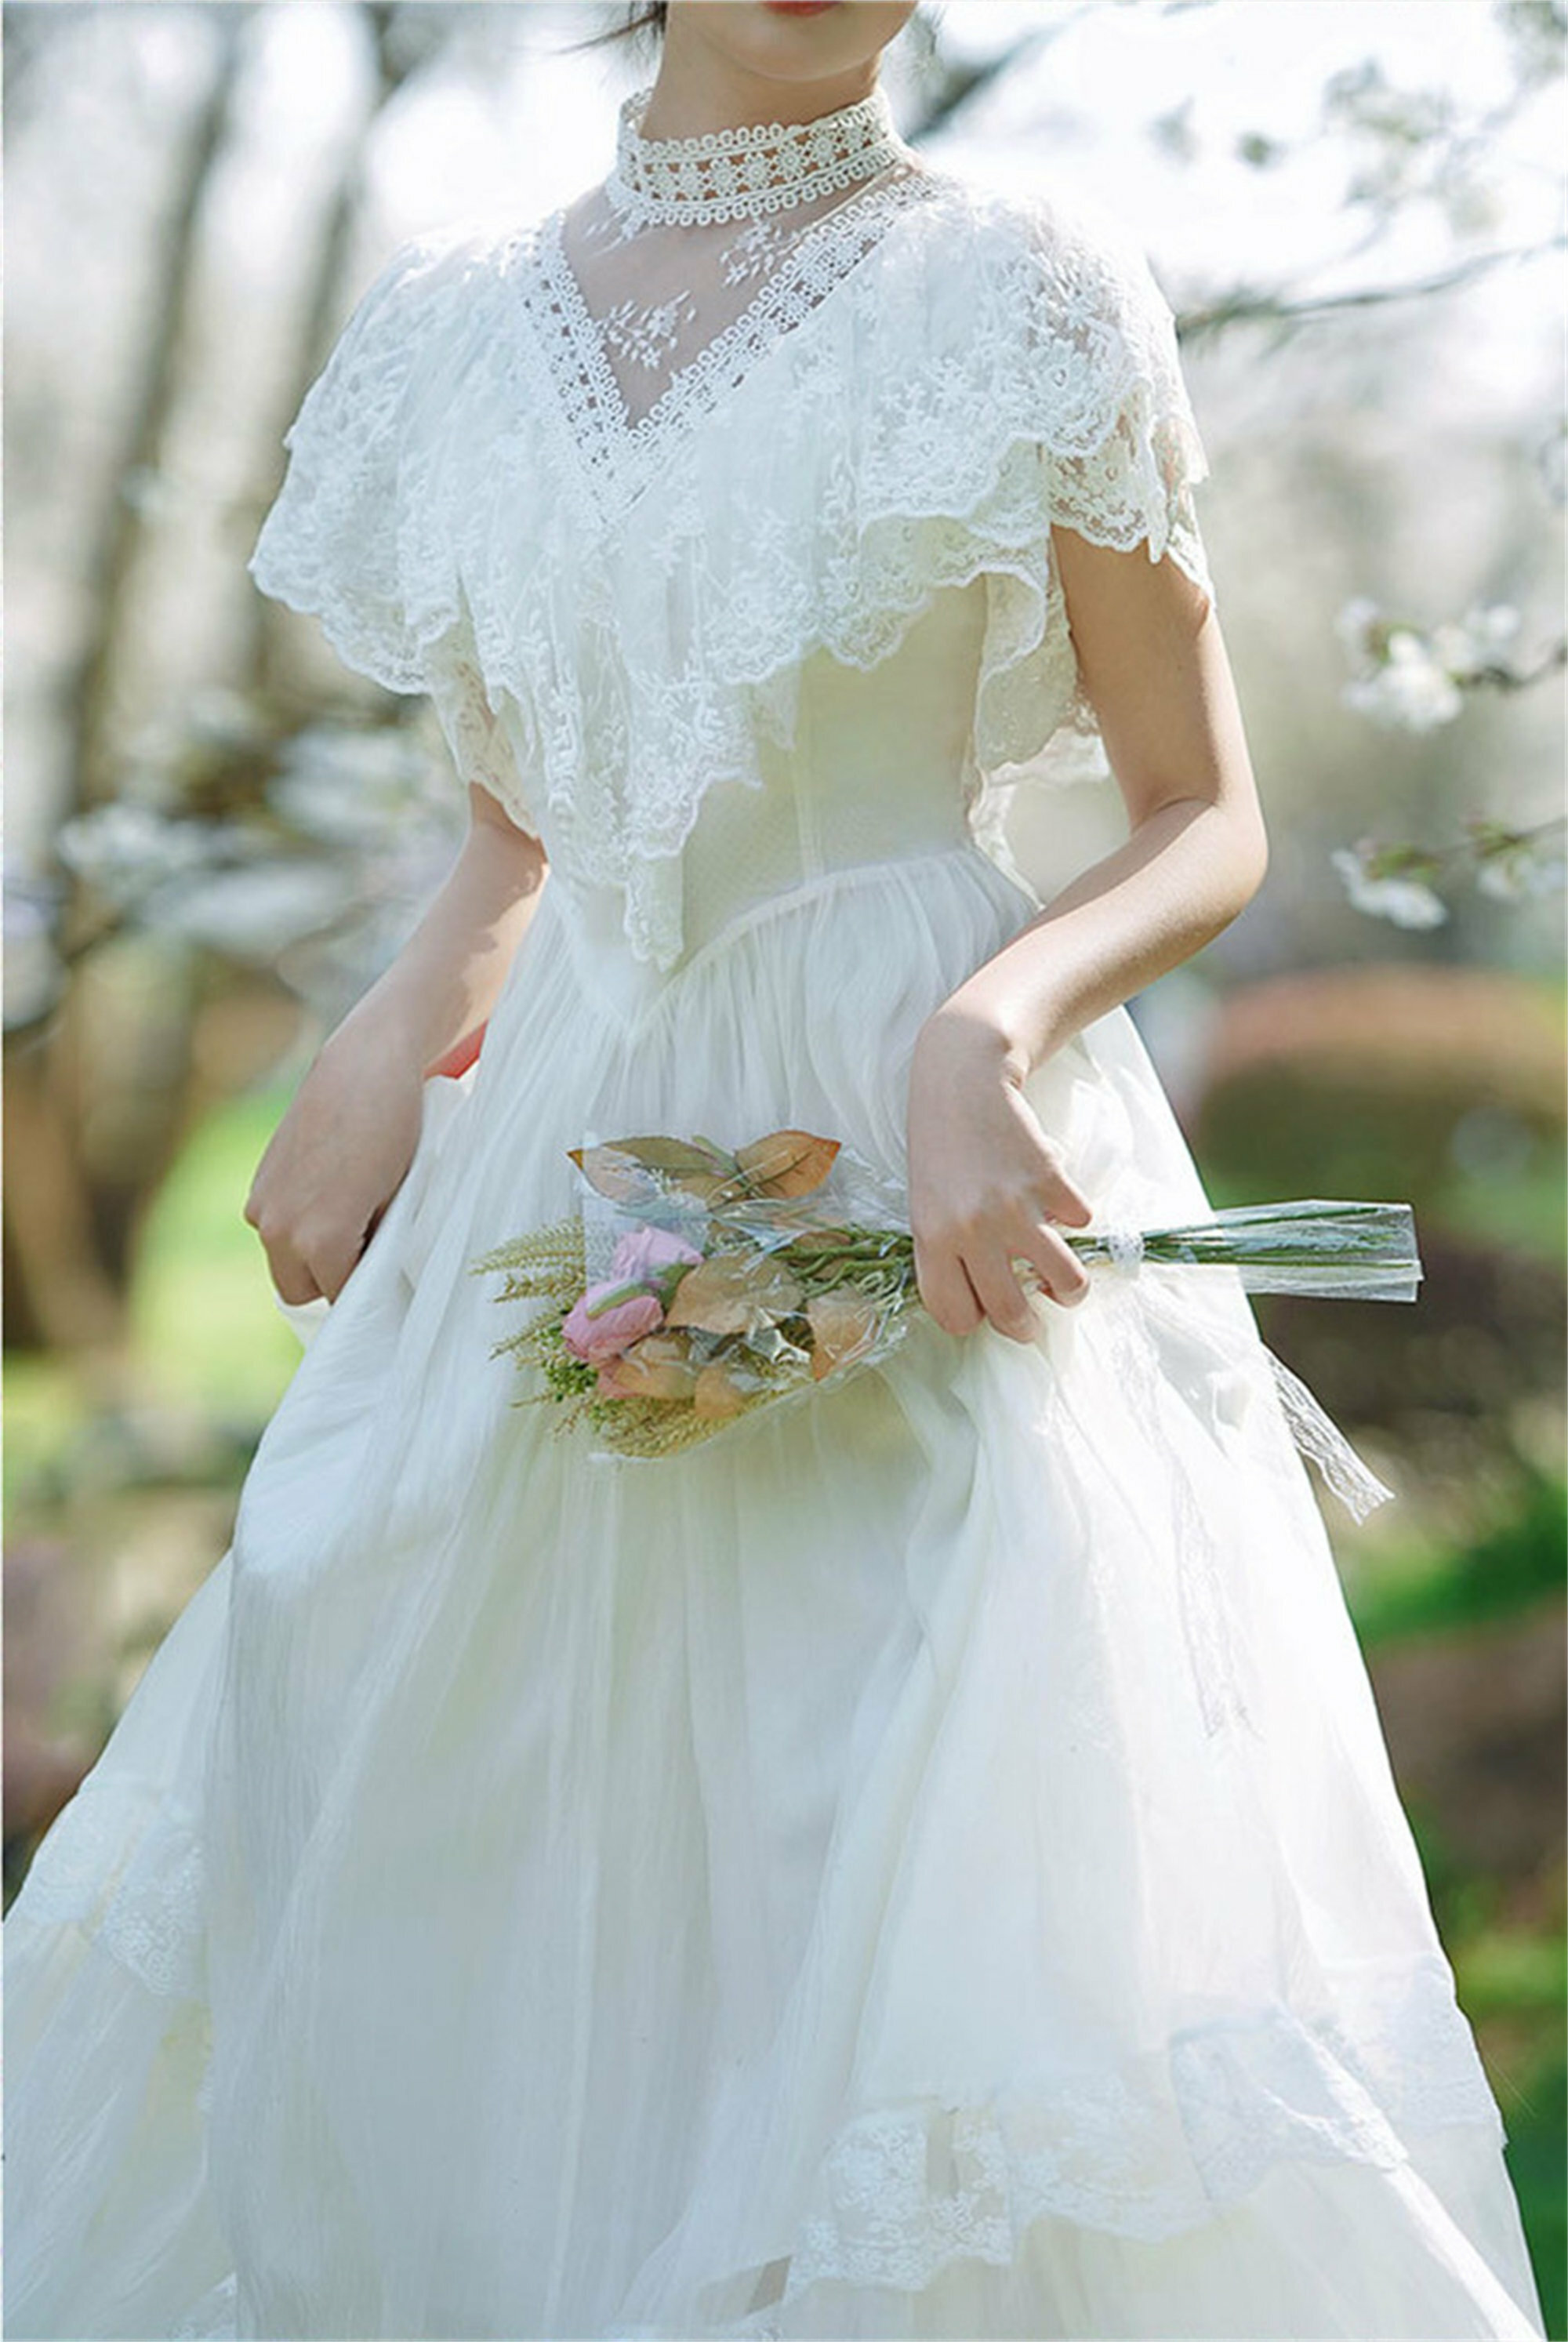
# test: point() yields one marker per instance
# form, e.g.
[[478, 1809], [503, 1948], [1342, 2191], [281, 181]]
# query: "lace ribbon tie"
[[1125, 1247], [1316, 1433]]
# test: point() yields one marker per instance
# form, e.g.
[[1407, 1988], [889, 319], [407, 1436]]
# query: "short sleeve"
[[1122, 463], [474, 729], [333, 544]]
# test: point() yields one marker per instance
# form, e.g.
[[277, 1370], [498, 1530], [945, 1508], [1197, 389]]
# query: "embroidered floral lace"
[[1146, 2150], [603, 485]]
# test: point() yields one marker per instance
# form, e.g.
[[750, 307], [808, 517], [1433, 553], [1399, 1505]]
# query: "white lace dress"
[[925, 1864]]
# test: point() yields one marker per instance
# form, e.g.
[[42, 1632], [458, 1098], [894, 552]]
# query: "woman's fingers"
[[1061, 1271], [989, 1187], [333, 1253], [1066, 1201], [1001, 1296], [308, 1259], [1062, 1274], [944, 1288], [967, 1275], [331, 1167], [960, 1289], [1061, 1197], [293, 1280]]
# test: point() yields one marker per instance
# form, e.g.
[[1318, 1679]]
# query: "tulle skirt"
[[922, 1863]]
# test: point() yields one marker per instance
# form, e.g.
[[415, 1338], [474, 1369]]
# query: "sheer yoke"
[[663, 287], [648, 312]]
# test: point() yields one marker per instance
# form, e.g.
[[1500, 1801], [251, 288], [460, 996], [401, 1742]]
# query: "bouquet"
[[694, 1285]]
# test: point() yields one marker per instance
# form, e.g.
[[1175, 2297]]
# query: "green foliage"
[[1520, 1561], [1510, 1978], [1535, 2164]]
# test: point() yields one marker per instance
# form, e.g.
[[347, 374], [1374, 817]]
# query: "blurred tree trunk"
[[74, 1262], [59, 1294], [71, 1224], [111, 561], [327, 301]]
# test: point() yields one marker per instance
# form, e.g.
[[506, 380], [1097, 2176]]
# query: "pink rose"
[[606, 1334], [643, 1252]]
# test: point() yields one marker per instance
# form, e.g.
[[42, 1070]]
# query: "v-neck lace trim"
[[615, 456]]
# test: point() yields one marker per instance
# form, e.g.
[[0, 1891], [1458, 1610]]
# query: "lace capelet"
[[608, 613]]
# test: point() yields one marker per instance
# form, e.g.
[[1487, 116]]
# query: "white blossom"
[[353, 787], [1354, 625], [125, 849], [1519, 872], [1404, 899], [251, 913], [1412, 691], [1477, 639]]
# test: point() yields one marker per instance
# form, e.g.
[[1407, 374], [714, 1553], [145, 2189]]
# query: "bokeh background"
[[216, 836]]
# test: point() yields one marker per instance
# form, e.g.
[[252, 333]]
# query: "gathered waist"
[[588, 921], [858, 876]]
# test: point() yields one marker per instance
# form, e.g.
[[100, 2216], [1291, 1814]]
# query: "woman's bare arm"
[[340, 1151], [444, 981], [984, 1178]]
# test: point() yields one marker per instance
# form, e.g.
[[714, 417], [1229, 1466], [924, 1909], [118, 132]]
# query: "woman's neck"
[[701, 92]]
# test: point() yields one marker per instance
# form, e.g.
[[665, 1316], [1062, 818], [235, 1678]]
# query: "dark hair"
[[643, 16]]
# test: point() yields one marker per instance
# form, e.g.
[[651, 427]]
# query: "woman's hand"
[[341, 1152], [984, 1182], [335, 1160]]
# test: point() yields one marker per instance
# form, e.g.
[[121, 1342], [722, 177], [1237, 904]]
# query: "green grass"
[[45, 1408], [203, 1315], [206, 1335]]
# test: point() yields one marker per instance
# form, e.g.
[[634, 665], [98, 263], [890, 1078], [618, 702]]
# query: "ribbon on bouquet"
[[1317, 1435], [1201, 1596]]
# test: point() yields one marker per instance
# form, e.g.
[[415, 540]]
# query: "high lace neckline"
[[751, 170]]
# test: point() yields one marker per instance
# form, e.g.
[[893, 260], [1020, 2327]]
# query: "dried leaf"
[[787, 1162], [656, 1367], [723, 1160], [716, 1394], [844, 1325], [730, 1292], [627, 1169]]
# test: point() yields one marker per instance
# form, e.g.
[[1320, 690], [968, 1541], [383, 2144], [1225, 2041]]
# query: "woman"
[[925, 1863]]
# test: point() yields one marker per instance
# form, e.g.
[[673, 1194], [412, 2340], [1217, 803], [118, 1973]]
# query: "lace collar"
[[752, 169]]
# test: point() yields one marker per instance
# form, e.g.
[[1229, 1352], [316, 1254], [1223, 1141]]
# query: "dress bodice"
[[735, 573], [877, 771]]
